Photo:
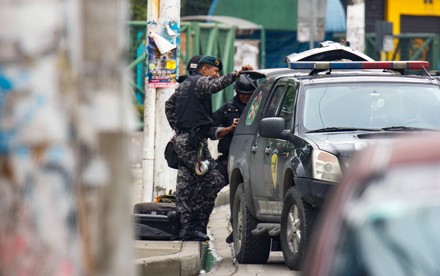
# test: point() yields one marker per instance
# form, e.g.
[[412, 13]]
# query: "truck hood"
[[345, 144]]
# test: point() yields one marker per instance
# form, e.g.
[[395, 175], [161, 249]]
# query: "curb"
[[170, 258], [222, 197], [186, 262]]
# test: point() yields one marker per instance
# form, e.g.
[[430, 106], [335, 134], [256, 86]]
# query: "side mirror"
[[273, 127]]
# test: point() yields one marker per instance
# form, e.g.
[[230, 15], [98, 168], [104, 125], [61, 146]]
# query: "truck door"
[[263, 190], [277, 151]]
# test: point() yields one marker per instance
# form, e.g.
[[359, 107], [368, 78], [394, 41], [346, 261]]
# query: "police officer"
[[170, 104], [228, 116], [197, 180]]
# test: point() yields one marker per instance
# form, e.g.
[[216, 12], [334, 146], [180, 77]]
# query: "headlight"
[[326, 166]]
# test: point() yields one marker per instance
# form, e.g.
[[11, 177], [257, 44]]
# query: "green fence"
[[136, 59], [196, 38], [409, 47]]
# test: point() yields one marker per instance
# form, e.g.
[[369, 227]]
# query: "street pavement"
[[173, 258], [219, 228], [184, 258]]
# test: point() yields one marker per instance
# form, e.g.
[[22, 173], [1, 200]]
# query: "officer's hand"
[[235, 122], [245, 68], [226, 130]]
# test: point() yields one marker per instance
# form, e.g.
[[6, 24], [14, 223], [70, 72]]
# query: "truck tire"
[[249, 249], [297, 219]]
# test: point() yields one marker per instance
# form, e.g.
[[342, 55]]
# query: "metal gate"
[[415, 46]]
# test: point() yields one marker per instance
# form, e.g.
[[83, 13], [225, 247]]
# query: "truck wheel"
[[249, 249], [297, 219]]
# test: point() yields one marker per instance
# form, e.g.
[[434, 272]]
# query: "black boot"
[[199, 236], [187, 234], [184, 234]]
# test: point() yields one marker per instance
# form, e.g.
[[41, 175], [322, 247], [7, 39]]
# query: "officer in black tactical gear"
[[197, 180], [170, 104], [228, 116]]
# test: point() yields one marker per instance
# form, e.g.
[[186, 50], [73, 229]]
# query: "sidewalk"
[[176, 257], [167, 258], [184, 258]]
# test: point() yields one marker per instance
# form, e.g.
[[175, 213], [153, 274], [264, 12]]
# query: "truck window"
[[288, 105], [275, 101]]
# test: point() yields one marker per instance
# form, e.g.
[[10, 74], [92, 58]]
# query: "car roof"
[[363, 76], [328, 51], [343, 75], [330, 54], [317, 71], [337, 76]]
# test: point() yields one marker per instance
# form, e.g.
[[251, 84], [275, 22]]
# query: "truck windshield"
[[388, 106]]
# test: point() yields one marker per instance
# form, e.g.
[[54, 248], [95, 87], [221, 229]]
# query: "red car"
[[383, 218]]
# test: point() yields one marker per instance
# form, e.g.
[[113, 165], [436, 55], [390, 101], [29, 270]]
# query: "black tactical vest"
[[233, 110], [192, 111]]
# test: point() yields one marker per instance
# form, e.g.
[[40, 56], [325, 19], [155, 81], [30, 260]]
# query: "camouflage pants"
[[195, 194]]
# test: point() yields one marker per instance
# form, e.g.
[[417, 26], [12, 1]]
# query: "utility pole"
[[65, 118], [311, 21], [157, 176], [356, 24], [312, 25]]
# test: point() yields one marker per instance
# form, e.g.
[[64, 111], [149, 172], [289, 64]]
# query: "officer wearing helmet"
[[228, 116]]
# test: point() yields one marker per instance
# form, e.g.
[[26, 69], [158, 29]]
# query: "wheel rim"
[[293, 229]]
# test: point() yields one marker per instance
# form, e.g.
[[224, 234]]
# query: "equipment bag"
[[171, 155], [156, 221]]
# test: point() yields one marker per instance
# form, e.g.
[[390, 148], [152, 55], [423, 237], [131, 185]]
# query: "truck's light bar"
[[392, 65]]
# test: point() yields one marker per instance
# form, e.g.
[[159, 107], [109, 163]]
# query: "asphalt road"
[[225, 264]]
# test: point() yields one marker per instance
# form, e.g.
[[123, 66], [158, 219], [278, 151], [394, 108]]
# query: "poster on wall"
[[162, 53]]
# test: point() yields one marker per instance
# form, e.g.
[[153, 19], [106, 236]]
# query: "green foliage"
[[191, 7], [138, 10]]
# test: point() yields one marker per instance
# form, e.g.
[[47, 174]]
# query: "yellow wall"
[[395, 8]]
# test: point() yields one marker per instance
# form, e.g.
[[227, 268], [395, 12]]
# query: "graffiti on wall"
[[38, 226]]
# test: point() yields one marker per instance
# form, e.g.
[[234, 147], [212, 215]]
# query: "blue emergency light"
[[391, 65]]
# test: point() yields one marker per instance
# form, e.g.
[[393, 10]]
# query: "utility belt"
[[202, 131], [195, 135], [196, 138]]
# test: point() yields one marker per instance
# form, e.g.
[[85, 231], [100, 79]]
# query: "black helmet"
[[245, 85], [192, 64], [191, 67]]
